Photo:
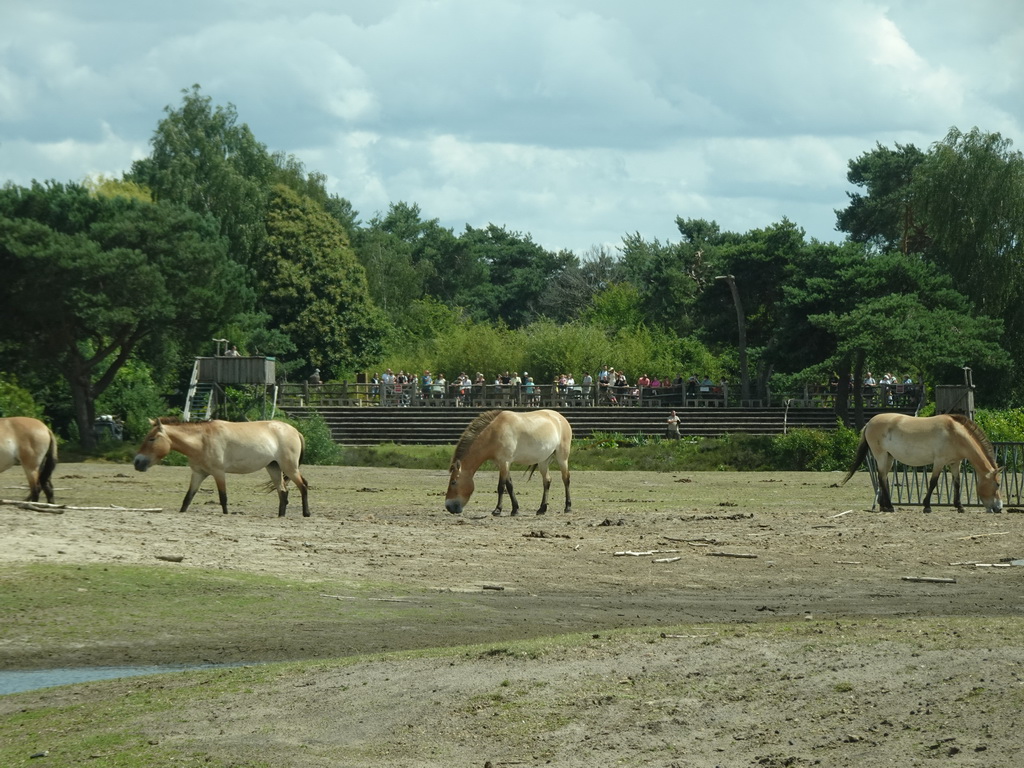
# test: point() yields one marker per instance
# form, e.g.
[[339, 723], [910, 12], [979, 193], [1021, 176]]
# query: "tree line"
[[112, 286]]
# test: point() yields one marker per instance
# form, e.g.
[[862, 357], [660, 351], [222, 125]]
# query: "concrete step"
[[443, 426]]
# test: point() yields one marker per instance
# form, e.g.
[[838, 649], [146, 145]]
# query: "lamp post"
[[742, 324]]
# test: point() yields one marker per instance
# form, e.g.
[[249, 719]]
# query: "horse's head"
[[154, 448], [988, 490], [460, 488]]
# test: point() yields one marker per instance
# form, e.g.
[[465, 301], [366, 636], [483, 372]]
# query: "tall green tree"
[[517, 273], [205, 159], [886, 216], [314, 288], [846, 311], [971, 194], [90, 281]]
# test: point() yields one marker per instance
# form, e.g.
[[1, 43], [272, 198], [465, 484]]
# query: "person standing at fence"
[[672, 426]]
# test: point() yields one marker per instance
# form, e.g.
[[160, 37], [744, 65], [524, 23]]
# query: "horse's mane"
[[176, 422], [472, 432], [978, 434]]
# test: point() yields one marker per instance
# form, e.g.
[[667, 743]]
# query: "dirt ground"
[[728, 551]]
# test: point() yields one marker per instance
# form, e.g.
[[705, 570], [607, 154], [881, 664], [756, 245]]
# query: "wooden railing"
[[496, 396], [345, 394]]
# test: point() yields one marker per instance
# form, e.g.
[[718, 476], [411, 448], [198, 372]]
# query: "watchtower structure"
[[211, 374]]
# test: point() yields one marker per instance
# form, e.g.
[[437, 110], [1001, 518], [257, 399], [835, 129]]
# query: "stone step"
[[443, 426]]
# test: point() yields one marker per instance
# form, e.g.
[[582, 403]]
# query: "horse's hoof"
[[927, 510], [542, 511], [514, 513], [497, 513], [307, 514]]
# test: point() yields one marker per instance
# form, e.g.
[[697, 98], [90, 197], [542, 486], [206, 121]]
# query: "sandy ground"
[[730, 551]]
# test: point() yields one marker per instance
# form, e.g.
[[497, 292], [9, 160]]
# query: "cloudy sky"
[[574, 121]]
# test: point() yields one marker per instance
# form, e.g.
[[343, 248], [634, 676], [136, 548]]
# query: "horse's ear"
[[153, 422]]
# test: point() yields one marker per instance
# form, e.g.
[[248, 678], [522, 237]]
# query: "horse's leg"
[[884, 498], [300, 483], [277, 480], [565, 482], [546, 482], [956, 489], [512, 496], [502, 482], [505, 483], [933, 482], [32, 476], [197, 480], [222, 490]]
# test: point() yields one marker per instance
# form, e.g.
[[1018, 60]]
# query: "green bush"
[[320, 446], [814, 450], [1002, 426], [16, 401]]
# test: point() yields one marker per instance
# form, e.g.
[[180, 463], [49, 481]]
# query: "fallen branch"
[[171, 558], [667, 559], [648, 553], [731, 554], [930, 579], [983, 535], [841, 514], [58, 509], [35, 506]]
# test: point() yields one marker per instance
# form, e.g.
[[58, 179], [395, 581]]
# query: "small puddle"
[[32, 679]]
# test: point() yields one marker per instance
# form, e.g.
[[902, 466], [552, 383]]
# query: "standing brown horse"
[[504, 437], [29, 442], [220, 447], [941, 441]]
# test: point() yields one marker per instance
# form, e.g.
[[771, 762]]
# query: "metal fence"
[[908, 485]]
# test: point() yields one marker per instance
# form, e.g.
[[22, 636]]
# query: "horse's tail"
[[46, 470], [862, 453], [532, 470]]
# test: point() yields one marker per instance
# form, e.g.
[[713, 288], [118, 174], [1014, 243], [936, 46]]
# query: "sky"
[[575, 122]]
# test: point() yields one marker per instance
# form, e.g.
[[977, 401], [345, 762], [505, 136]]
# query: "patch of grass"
[[46, 605]]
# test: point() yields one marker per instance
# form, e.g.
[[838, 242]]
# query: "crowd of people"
[[610, 386]]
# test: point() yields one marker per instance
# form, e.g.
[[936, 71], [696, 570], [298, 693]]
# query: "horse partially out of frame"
[[224, 447], [941, 441], [29, 442], [533, 438]]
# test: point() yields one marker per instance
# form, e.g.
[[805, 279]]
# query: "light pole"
[[741, 322]]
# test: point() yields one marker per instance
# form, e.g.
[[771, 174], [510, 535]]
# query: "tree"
[[204, 159], [886, 217], [314, 288], [845, 310], [971, 193], [517, 273], [90, 281]]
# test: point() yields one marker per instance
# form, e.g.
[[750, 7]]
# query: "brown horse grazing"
[[220, 447], [937, 440], [29, 442], [504, 437]]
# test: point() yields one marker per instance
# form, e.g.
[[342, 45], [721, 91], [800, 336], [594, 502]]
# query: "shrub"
[[320, 446], [814, 450]]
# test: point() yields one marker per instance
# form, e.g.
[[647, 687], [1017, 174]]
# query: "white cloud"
[[576, 121]]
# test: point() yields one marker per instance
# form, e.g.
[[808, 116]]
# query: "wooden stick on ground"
[[58, 509], [731, 554]]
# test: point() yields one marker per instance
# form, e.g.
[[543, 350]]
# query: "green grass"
[[49, 605]]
